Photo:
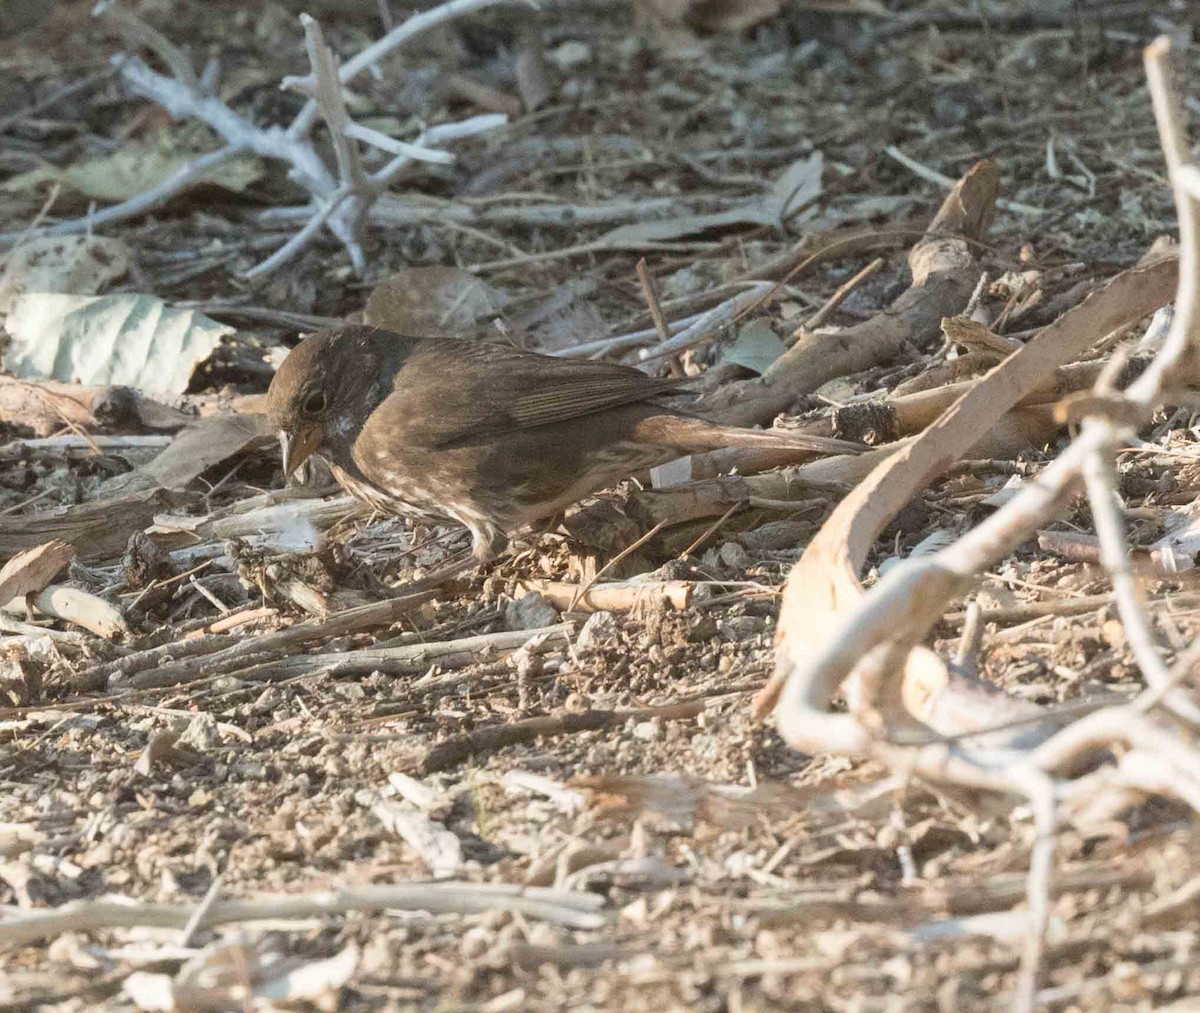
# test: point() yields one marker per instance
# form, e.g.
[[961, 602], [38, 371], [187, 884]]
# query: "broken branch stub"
[[944, 273]]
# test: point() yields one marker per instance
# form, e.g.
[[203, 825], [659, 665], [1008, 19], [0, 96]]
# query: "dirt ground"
[[691, 859]]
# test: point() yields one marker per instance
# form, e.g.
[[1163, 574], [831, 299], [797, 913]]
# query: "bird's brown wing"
[[453, 392]]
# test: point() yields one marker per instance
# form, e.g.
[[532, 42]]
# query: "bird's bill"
[[297, 447]]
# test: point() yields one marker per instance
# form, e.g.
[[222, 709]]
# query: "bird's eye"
[[315, 403]]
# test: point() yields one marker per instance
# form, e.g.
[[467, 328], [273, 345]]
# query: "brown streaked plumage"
[[484, 434]]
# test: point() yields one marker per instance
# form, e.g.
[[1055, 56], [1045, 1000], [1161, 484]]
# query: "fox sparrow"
[[484, 434]]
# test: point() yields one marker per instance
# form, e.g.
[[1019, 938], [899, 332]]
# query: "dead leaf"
[[756, 347], [74, 265], [134, 169], [432, 302], [137, 340], [196, 449], [159, 749], [799, 185], [44, 406], [31, 570]]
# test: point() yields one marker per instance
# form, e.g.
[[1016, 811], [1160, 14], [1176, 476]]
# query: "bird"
[[484, 434]]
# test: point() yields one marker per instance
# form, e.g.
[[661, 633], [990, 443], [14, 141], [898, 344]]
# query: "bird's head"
[[321, 394]]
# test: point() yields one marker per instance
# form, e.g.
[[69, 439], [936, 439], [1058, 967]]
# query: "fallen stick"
[[577, 910], [216, 654], [617, 596], [835, 244], [72, 605], [1055, 607], [16, 449], [459, 748], [804, 488], [414, 658], [181, 657], [24, 630], [1029, 424], [96, 530], [831, 304], [31, 571]]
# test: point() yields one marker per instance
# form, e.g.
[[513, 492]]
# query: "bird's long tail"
[[692, 436]]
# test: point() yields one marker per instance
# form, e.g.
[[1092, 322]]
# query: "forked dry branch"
[[911, 709], [340, 197]]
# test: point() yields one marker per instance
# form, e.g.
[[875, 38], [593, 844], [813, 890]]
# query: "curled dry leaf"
[[44, 407], [30, 571], [196, 449], [131, 339], [799, 186], [159, 749], [74, 265]]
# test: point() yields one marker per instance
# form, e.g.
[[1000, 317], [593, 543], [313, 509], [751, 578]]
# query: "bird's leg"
[[486, 545], [552, 523]]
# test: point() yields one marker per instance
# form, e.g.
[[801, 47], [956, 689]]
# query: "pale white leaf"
[[128, 339]]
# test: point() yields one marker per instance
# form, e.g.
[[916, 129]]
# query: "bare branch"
[[341, 200], [394, 39]]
